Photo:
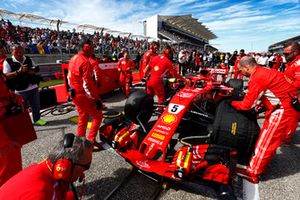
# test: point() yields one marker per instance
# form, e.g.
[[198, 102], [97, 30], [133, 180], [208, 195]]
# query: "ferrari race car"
[[197, 136]]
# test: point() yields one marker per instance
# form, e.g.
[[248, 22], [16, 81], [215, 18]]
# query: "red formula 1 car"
[[184, 142]]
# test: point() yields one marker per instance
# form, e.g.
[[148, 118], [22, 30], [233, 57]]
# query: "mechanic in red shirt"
[[10, 151], [292, 70], [277, 61], [2, 56], [236, 68], [125, 66], [160, 66], [52, 178], [96, 71], [86, 97], [267, 87], [154, 46]]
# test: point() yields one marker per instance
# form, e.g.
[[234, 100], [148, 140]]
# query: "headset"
[[62, 169]]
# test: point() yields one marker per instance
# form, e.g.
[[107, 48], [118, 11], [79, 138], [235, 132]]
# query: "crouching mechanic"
[[53, 177], [84, 91], [160, 66], [125, 67], [267, 87]]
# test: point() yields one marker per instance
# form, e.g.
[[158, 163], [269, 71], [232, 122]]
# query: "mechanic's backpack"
[[236, 129]]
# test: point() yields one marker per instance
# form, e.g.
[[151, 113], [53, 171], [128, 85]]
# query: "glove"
[[99, 105]]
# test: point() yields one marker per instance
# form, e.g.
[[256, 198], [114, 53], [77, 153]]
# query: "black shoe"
[[98, 146]]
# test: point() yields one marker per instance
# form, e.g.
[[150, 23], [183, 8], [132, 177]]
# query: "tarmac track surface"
[[281, 182]]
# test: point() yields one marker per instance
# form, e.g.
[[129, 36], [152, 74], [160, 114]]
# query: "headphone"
[[62, 169]]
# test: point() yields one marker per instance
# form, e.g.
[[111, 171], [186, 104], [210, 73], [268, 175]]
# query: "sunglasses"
[[84, 166], [287, 53]]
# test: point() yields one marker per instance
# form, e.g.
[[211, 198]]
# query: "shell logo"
[[156, 68], [169, 119]]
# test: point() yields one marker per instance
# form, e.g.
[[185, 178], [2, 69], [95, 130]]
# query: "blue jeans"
[[33, 98]]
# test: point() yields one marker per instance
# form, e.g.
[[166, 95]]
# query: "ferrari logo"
[[156, 68], [169, 118]]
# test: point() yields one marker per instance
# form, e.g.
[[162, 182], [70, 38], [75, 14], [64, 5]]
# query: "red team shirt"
[[145, 61], [292, 72]]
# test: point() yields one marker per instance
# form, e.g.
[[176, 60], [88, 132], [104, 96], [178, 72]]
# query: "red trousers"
[[156, 88], [277, 126], [124, 82], [86, 108], [10, 162]]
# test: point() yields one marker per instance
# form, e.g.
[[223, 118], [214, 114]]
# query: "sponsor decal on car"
[[158, 136], [219, 71], [169, 119], [160, 131], [154, 141], [184, 95], [143, 164], [105, 66], [175, 108], [166, 128]]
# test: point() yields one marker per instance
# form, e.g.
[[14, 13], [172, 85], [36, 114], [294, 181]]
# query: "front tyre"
[[139, 107]]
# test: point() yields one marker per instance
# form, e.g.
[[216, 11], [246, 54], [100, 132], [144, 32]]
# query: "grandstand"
[[278, 47], [42, 36], [183, 30]]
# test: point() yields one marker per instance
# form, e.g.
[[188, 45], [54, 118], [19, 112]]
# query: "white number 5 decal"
[[175, 108]]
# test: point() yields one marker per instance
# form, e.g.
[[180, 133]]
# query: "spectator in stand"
[[292, 71], [85, 95], [137, 60], [182, 59], [271, 60], [154, 46], [277, 61], [210, 59], [125, 67], [2, 56], [226, 59], [121, 53], [107, 57], [236, 70], [21, 71], [197, 61], [263, 59], [269, 88], [232, 59], [53, 177]]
